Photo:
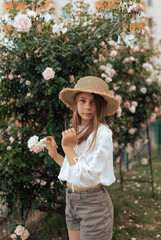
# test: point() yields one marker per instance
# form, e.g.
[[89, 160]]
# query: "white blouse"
[[94, 166]]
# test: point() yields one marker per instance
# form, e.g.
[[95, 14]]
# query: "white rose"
[[136, 49], [144, 161], [132, 131], [31, 14], [118, 97], [28, 83], [109, 70], [48, 73], [113, 53], [32, 141], [22, 23], [11, 140], [134, 103], [132, 109], [132, 59], [19, 230], [148, 67], [119, 111], [102, 67], [126, 60], [143, 90], [107, 79], [57, 29], [149, 81]]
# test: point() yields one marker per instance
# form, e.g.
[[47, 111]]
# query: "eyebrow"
[[86, 98]]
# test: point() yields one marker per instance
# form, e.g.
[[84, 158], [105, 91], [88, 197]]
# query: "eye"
[[82, 100]]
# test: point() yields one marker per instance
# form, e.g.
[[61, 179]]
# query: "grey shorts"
[[91, 212]]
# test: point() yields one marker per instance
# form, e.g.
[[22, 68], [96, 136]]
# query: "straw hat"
[[90, 84]]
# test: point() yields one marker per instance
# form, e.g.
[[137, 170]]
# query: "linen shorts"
[[91, 212]]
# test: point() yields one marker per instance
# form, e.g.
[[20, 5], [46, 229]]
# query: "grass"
[[137, 213]]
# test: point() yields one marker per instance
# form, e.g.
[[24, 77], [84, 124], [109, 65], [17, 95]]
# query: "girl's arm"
[[52, 150], [69, 138]]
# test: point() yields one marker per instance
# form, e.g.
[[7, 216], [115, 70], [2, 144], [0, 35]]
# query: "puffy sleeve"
[[96, 165]]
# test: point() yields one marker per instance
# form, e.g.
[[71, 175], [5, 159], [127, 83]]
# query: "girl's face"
[[86, 107]]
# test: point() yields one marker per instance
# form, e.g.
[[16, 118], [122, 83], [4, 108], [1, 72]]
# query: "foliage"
[[132, 70], [30, 103]]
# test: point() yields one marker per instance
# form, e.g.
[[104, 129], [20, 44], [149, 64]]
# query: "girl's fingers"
[[70, 131]]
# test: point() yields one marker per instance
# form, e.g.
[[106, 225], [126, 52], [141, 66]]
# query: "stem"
[[150, 160]]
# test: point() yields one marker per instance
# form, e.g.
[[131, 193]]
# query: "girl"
[[88, 162]]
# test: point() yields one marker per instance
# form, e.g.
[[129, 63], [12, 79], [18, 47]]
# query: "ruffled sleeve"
[[96, 165]]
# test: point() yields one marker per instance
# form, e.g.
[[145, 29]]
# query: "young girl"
[[88, 162]]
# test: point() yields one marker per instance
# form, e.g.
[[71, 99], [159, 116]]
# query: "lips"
[[88, 114]]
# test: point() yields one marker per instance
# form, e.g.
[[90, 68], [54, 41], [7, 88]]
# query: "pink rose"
[[10, 76], [134, 103], [127, 104], [48, 73], [153, 117], [13, 236], [132, 88], [119, 111], [19, 230], [9, 148], [131, 71], [131, 59], [66, 39], [103, 44], [132, 131], [72, 78], [25, 234], [126, 60]]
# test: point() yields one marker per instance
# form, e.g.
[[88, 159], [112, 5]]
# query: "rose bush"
[[39, 57], [136, 84]]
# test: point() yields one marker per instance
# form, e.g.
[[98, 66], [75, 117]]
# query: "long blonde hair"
[[93, 125]]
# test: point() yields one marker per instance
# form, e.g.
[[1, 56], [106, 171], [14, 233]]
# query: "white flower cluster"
[[109, 72], [35, 145], [21, 232], [48, 73], [129, 59], [136, 8], [57, 29]]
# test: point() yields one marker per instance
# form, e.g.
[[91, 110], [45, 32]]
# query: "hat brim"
[[67, 96]]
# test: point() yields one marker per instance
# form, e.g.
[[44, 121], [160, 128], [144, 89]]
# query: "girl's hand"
[[51, 146], [69, 138]]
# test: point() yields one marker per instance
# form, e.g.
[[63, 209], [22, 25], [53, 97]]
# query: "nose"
[[87, 105]]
